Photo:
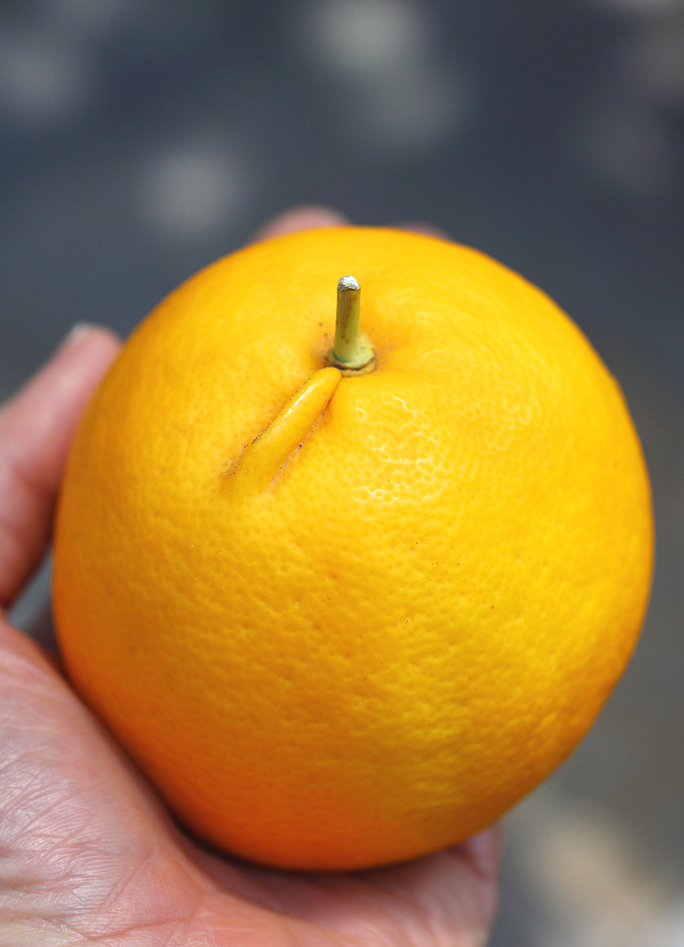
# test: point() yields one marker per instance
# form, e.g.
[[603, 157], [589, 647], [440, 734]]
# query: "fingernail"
[[76, 333]]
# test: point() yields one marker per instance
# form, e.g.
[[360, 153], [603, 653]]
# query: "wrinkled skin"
[[88, 853]]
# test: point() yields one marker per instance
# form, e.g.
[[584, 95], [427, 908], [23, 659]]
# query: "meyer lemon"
[[365, 634]]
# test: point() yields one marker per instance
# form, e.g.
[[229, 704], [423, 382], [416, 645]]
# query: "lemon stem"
[[352, 352]]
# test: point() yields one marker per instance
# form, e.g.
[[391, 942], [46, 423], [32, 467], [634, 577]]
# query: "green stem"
[[352, 351]]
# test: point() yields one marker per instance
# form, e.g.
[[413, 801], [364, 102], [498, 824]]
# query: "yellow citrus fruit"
[[365, 636]]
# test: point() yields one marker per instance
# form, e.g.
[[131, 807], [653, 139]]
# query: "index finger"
[[36, 428]]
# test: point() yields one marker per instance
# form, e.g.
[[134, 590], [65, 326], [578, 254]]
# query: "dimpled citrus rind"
[[423, 613]]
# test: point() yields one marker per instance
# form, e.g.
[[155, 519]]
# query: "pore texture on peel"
[[341, 619]]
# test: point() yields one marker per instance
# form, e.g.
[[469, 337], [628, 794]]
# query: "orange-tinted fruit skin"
[[421, 615]]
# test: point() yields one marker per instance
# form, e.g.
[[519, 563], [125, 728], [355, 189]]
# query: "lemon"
[[364, 635]]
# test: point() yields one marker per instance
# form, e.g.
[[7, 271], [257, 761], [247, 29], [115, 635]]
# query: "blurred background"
[[140, 141]]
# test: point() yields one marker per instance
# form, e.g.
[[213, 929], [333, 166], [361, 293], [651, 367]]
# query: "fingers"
[[447, 899], [88, 853], [78, 822], [88, 850], [310, 217], [36, 428], [307, 217], [417, 226]]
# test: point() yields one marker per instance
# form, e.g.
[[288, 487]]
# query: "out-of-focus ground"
[[140, 141]]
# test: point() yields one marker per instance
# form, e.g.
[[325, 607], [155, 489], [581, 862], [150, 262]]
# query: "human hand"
[[88, 854]]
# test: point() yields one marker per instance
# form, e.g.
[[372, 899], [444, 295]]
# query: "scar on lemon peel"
[[266, 454], [352, 354]]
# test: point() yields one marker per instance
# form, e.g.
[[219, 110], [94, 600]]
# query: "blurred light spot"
[[391, 93], [629, 150], [583, 868], [412, 111], [655, 62], [670, 931], [43, 82], [192, 190], [90, 17], [360, 38]]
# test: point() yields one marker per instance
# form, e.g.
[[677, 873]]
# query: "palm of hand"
[[87, 851]]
